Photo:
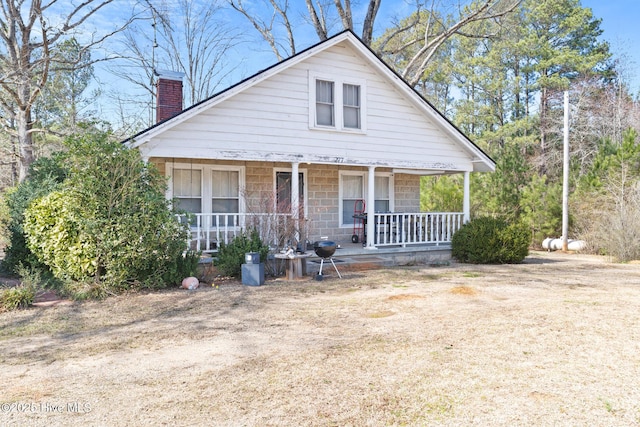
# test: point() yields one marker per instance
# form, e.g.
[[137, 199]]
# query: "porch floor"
[[353, 256]]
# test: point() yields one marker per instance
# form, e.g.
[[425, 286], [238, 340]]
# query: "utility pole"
[[565, 176]]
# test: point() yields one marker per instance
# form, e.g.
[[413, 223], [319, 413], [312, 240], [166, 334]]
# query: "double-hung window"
[[383, 193], [187, 190], [225, 194], [351, 106], [206, 189], [353, 186], [324, 103], [336, 103], [352, 190]]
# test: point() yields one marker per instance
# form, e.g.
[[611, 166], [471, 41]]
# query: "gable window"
[[337, 103], [324, 103], [351, 105]]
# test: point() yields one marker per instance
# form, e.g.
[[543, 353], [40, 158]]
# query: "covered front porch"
[[319, 202]]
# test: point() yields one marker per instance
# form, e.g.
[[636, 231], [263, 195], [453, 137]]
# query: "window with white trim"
[[225, 191], [336, 103], [352, 190], [351, 106], [383, 193], [324, 103], [353, 186], [187, 190], [201, 188]]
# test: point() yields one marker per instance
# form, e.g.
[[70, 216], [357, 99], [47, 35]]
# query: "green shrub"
[[109, 225], [54, 234], [20, 296], [184, 265], [45, 175], [488, 240], [231, 256]]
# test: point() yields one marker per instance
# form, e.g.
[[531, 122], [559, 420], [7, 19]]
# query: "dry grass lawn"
[[553, 341]]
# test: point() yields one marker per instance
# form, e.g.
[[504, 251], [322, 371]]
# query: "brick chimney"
[[169, 95]]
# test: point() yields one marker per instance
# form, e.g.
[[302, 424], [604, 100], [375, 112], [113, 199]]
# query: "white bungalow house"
[[326, 135]]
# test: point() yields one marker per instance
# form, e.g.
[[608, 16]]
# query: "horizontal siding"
[[270, 119]]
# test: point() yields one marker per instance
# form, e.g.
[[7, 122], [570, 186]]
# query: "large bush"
[[231, 256], [109, 223], [488, 240], [45, 175]]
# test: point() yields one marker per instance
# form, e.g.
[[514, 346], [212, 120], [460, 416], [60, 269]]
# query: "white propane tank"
[[556, 244]]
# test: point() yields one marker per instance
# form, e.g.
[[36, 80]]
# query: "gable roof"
[[482, 162]]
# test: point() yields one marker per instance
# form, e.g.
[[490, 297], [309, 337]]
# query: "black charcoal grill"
[[325, 250]]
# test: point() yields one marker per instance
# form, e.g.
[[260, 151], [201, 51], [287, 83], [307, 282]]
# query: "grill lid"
[[324, 248]]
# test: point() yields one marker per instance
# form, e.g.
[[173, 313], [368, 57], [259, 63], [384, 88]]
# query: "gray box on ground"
[[253, 274]]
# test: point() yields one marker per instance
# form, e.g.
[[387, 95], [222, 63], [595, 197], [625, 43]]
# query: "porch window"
[[187, 190], [324, 103], [352, 190], [383, 194], [353, 186], [351, 105], [225, 191]]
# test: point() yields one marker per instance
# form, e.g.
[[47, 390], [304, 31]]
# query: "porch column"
[[466, 204], [371, 206], [295, 197]]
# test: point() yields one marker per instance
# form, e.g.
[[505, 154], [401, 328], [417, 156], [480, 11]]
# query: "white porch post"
[[371, 206], [295, 197], [466, 201]]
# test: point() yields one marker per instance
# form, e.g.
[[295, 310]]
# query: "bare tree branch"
[[489, 9], [28, 41], [319, 24], [266, 29]]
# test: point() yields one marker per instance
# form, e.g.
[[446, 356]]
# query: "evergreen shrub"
[[45, 175], [231, 256], [108, 228], [488, 240]]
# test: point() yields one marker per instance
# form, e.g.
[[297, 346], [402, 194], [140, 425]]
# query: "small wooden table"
[[295, 264]]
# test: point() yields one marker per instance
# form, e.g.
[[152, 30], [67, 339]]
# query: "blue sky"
[[620, 22]]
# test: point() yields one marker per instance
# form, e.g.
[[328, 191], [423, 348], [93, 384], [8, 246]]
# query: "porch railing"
[[392, 229], [208, 231]]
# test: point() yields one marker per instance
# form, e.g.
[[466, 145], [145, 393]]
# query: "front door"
[[283, 191]]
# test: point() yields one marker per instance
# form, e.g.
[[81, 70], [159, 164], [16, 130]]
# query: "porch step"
[[350, 263]]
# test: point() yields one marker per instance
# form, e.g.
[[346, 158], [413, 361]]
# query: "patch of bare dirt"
[[552, 341], [463, 290]]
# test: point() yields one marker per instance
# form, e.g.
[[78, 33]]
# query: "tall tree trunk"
[[367, 26], [544, 105], [25, 142]]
